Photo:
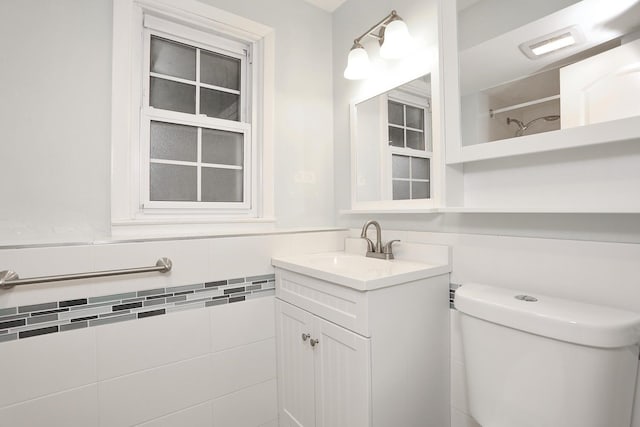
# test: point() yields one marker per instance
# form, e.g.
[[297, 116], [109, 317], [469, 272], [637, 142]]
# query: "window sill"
[[176, 227]]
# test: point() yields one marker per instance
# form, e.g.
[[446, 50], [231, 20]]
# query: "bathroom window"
[[409, 147], [196, 130], [192, 118]]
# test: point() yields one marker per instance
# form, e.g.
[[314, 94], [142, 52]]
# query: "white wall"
[[349, 21], [55, 116], [303, 107], [55, 82]]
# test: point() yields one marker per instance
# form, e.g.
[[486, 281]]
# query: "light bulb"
[[358, 65], [397, 41]]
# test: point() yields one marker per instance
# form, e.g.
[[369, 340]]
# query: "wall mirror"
[[539, 67], [392, 146]]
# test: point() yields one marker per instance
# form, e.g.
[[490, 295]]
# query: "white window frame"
[[167, 30], [418, 101], [190, 22]]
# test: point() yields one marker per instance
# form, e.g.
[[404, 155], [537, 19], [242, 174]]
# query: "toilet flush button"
[[526, 298]]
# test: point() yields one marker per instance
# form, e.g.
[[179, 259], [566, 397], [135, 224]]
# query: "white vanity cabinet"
[[348, 357], [324, 384]]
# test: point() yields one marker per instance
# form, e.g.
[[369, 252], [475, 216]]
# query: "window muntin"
[[410, 149], [410, 177], [195, 124]]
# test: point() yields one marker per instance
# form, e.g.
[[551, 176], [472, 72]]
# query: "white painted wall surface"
[[350, 20], [55, 82], [55, 120], [303, 107]]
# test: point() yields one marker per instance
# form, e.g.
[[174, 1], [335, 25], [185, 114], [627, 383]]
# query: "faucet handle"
[[370, 246], [387, 249]]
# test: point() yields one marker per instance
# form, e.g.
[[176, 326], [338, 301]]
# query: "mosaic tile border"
[[51, 317], [452, 294]]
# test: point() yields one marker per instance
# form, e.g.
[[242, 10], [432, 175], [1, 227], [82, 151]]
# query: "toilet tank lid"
[[561, 319]]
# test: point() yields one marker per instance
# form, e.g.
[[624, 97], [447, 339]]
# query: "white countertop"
[[357, 271]]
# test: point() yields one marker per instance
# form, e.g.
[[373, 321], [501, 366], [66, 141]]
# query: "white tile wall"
[[231, 410], [145, 395], [158, 371], [243, 366], [210, 366], [147, 343], [71, 408], [196, 416], [234, 325], [194, 261], [39, 366]]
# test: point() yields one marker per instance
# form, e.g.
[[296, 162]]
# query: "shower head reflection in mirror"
[[522, 127]]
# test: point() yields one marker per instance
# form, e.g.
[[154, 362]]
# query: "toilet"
[[538, 361]]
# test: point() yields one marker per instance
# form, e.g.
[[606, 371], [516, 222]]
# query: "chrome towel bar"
[[9, 279]]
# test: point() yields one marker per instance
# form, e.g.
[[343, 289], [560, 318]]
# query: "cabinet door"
[[343, 377], [295, 366], [601, 88]]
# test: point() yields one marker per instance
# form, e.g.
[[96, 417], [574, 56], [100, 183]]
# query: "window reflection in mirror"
[[393, 144], [546, 65]]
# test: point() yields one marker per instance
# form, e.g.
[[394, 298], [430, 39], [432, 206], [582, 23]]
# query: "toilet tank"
[[539, 361]]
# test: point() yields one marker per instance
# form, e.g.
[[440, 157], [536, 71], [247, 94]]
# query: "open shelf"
[[599, 133]]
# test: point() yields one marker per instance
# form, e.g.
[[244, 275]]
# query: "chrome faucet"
[[378, 250]]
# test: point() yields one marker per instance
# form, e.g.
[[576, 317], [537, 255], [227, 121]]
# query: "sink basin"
[[357, 271]]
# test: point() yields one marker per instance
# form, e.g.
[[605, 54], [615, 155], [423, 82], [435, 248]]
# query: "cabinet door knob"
[[313, 342], [306, 337]]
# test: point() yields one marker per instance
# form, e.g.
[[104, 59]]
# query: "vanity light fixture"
[[395, 42], [552, 42]]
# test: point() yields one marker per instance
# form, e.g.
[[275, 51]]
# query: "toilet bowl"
[[539, 361]]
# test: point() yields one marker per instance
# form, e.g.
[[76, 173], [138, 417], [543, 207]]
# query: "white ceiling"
[[328, 5]]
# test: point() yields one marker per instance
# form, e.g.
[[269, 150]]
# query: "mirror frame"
[[438, 159]]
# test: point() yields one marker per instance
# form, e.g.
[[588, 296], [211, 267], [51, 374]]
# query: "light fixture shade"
[[358, 65], [397, 41]]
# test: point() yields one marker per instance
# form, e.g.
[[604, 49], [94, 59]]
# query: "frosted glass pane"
[[396, 137], [173, 59], [173, 182], [396, 113], [400, 166], [172, 96], [222, 147], [415, 117], [419, 168], [218, 104], [219, 70], [400, 190], [221, 185], [415, 140], [420, 190], [174, 142]]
